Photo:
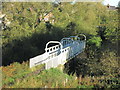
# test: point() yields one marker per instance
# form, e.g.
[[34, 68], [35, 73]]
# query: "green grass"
[[21, 76], [16, 71]]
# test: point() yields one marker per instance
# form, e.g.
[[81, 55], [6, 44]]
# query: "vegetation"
[[29, 31]]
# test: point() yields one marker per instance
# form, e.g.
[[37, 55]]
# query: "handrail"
[[46, 48], [83, 36]]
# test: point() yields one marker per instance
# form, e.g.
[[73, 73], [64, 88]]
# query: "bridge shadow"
[[77, 66]]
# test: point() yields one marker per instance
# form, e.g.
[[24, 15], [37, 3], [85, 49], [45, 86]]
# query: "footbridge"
[[57, 53]]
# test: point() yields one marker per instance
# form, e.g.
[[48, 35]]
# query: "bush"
[[95, 41]]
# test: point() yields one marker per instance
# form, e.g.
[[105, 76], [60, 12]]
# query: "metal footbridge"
[[57, 53]]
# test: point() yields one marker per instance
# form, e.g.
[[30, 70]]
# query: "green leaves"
[[95, 41]]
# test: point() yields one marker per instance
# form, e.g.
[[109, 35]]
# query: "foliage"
[[119, 4], [23, 78], [109, 63], [95, 41], [27, 35], [83, 86], [76, 66], [19, 77]]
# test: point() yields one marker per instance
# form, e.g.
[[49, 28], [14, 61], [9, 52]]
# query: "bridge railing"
[[66, 49], [38, 60]]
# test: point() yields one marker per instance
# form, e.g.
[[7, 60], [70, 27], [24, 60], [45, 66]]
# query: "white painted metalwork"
[[65, 50]]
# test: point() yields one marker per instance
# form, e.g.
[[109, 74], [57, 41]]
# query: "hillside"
[[28, 26], [21, 76]]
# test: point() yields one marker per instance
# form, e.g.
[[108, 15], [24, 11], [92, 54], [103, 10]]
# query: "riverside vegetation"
[[29, 31]]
